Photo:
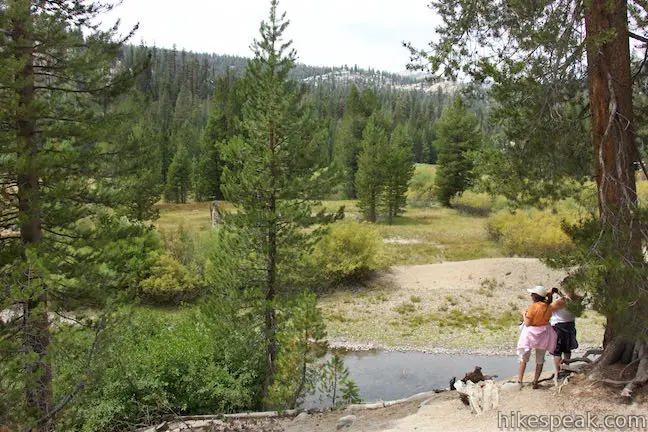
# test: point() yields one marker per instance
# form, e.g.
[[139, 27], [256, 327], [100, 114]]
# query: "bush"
[[422, 189], [530, 233], [349, 251], [480, 204], [155, 365], [169, 282]]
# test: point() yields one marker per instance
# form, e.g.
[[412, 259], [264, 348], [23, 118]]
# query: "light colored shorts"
[[539, 355]]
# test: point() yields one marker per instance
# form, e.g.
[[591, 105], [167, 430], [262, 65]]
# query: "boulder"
[[346, 421]]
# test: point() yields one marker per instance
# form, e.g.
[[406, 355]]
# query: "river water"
[[389, 375]]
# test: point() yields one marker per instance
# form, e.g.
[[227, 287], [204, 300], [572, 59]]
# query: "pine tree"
[[272, 175], [551, 49], [137, 186], [184, 107], [370, 178], [57, 160], [179, 177], [358, 108], [399, 168], [457, 135], [222, 125]]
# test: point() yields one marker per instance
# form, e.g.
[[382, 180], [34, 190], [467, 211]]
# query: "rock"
[[301, 417], [346, 421]]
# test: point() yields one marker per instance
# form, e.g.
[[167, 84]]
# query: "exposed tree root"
[[614, 382], [577, 369], [620, 351], [595, 351], [577, 359], [549, 378], [627, 366]]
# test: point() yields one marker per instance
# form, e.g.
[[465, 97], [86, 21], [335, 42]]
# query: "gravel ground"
[[452, 307]]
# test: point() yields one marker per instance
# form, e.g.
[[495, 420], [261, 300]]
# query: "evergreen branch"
[[11, 334], [5, 220], [75, 91], [61, 234], [638, 37]]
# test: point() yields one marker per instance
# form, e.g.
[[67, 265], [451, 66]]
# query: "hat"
[[539, 290]]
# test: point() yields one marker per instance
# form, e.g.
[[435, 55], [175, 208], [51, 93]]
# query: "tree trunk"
[[271, 272], [610, 93], [610, 90], [270, 315], [36, 338]]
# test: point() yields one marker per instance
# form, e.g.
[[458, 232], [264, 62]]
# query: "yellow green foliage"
[[169, 281], [531, 232], [477, 203], [642, 192], [349, 250], [422, 189]]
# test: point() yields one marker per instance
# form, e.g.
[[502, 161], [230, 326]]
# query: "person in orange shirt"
[[536, 333]]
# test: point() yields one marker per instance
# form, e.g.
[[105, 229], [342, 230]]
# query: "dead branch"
[[577, 359], [638, 37]]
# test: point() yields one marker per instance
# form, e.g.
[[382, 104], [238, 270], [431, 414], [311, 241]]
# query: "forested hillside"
[[191, 102]]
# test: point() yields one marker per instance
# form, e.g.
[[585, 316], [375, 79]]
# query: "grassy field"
[[391, 315], [420, 236]]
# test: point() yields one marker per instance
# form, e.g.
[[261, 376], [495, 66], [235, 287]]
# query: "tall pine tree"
[[272, 175], [457, 134], [370, 178], [57, 163], [399, 168]]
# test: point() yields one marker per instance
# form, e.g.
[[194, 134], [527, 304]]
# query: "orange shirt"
[[539, 313]]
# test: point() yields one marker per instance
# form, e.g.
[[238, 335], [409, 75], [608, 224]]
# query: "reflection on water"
[[385, 375]]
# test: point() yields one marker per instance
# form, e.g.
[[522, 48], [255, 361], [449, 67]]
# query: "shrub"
[[642, 192], [155, 365], [480, 204], [169, 282], [422, 189], [349, 251], [530, 233]]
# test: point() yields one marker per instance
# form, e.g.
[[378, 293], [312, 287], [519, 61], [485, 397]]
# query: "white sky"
[[324, 32]]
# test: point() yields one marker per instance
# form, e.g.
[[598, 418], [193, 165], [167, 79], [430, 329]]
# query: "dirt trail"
[[445, 412]]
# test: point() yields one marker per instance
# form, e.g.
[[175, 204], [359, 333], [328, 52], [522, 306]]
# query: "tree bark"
[[35, 325], [610, 93]]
